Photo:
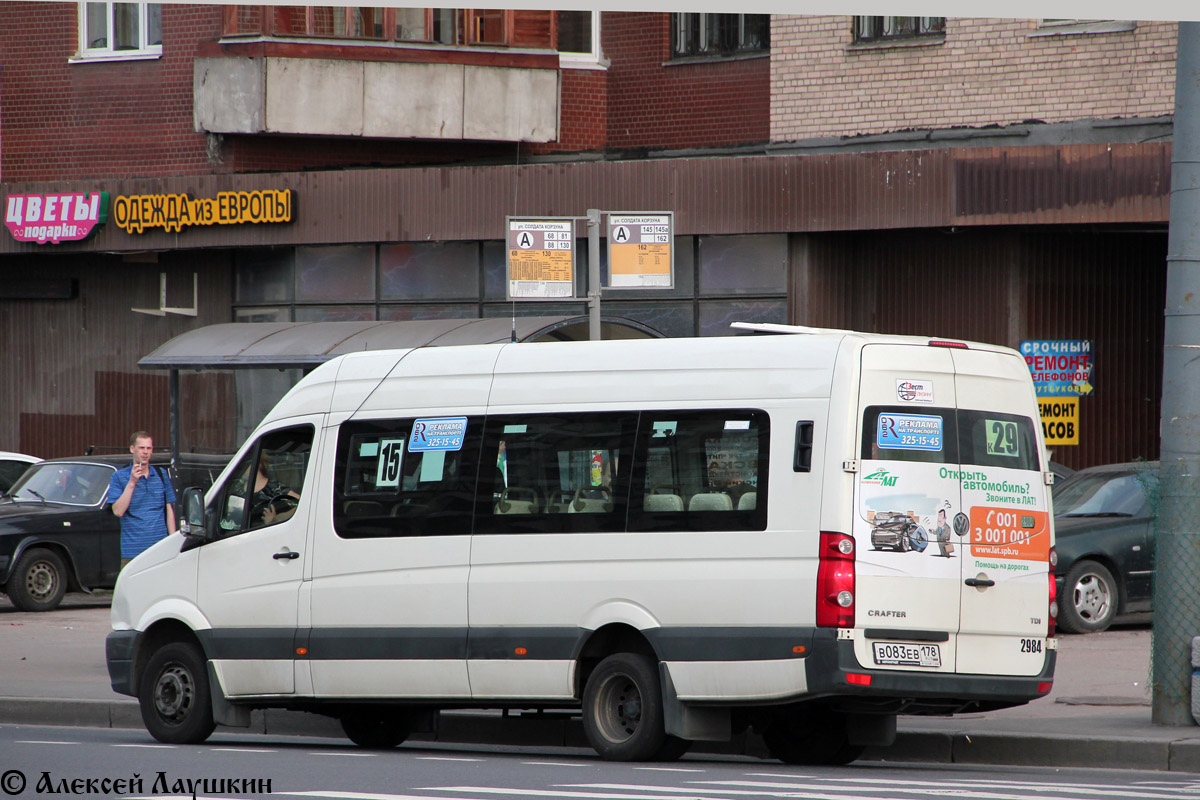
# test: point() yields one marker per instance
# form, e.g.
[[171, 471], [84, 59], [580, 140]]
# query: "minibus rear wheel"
[[811, 737], [623, 710], [376, 730], [174, 695]]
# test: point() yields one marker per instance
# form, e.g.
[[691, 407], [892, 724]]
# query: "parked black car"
[[1104, 528], [58, 534]]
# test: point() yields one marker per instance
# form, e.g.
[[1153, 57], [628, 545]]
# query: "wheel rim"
[[1093, 598], [41, 581], [619, 708], [174, 693]]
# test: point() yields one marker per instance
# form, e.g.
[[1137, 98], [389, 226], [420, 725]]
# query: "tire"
[[673, 749], [376, 730], [38, 581], [1090, 598], [623, 710], [918, 539], [812, 737], [174, 695]]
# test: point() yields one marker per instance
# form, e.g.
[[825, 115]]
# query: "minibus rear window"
[[907, 433], [993, 439]]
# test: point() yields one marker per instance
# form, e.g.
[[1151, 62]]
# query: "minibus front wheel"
[[174, 695], [623, 711]]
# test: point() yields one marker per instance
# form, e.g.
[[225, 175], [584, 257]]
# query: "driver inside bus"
[[272, 502]]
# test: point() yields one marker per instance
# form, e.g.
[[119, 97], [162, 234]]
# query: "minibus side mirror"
[[193, 523]]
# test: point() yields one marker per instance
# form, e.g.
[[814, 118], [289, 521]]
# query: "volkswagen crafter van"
[[679, 538]]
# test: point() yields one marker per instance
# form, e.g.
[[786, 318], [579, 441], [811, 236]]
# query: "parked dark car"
[[57, 534], [1104, 528]]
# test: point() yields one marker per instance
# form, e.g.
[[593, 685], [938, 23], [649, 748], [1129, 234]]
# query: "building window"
[[578, 36], [876, 29], [120, 30], [719, 34]]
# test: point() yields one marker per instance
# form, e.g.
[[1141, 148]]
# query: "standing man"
[[141, 496]]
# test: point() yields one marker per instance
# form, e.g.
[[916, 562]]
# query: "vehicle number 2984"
[[1031, 645]]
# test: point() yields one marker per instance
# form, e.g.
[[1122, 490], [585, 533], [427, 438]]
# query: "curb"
[[565, 730]]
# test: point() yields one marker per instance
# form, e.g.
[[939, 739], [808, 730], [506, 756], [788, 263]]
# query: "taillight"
[[1053, 593], [835, 581]]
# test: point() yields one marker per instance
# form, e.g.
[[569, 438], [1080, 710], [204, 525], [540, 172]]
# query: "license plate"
[[899, 654]]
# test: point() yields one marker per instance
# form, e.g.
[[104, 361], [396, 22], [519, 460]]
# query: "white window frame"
[[1067, 27], [107, 53], [593, 59]]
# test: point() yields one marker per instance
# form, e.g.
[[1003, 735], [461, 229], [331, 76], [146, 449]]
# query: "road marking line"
[[238, 750], [446, 758], [36, 741], [148, 746], [669, 769]]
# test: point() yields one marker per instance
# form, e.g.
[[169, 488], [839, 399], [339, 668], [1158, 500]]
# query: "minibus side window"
[[908, 433], [993, 439], [265, 486], [406, 477], [701, 471], [555, 473]]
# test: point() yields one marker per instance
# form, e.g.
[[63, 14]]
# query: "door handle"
[[974, 582], [288, 554]]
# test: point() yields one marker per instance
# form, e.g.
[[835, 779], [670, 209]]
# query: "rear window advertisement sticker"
[[910, 391], [909, 432], [441, 433], [1002, 439]]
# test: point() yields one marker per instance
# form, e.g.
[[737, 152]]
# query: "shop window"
[[719, 34], [877, 29], [716, 315], [429, 271], [110, 31], [338, 274], [263, 276], [743, 264]]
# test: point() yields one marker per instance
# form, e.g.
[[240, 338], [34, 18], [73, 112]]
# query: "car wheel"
[[918, 539], [623, 711], [811, 737], [174, 695], [1090, 598], [38, 581], [376, 730]]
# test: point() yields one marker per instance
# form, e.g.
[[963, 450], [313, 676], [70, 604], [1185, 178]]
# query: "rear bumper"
[[833, 662]]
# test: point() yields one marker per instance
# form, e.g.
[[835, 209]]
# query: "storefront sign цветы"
[[56, 217], [174, 212]]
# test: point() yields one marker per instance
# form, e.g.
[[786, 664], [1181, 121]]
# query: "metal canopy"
[[282, 345]]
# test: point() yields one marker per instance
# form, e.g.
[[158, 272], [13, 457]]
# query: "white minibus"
[[804, 533]]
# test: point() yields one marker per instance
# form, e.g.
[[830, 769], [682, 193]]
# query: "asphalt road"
[[57, 760]]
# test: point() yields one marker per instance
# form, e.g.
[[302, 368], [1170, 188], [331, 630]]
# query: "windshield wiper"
[[38, 496], [1097, 514]]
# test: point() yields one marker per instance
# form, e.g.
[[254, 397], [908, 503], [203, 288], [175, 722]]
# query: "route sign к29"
[[541, 258], [639, 250]]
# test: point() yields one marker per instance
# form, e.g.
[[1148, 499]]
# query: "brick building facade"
[[982, 72], [989, 179]]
